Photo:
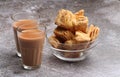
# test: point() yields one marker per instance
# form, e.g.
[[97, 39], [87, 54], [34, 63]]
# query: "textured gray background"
[[103, 60]]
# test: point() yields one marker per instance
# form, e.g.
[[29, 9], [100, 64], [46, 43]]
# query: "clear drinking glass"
[[31, 43], [23, 18]]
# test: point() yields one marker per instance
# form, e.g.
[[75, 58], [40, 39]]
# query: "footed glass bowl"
[[70, 52]]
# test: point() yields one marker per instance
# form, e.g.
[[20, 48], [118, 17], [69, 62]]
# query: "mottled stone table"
[[103, 60]]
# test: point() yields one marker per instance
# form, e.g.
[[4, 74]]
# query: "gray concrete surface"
[[103, 60]]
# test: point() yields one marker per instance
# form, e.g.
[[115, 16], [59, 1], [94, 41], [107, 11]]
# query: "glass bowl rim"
[[94, 44]]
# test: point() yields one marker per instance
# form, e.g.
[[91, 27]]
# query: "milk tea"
[[28, 24], [31, 45]]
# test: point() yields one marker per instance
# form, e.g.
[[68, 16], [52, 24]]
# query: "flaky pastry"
[[69, 45], [81, 24], [93, 32], [63, 34], [65, 19], [81, 36], [80, 13], [54, 41]]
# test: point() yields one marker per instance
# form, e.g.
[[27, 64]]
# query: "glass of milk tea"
[[31, 41], [23, 18]]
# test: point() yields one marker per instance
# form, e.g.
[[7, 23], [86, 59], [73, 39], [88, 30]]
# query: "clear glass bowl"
[[71, 53]]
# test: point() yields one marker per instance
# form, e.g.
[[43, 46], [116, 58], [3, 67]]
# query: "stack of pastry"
[[72, 32]]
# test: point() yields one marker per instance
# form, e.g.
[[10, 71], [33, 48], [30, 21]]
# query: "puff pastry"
[[93, 32], [54, 41], [81, 36], [65, 19], [81, 24], [80, 13], [63, 34]]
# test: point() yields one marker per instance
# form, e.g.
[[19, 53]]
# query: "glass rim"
[[28, 13], [73, 44], [77, 50], [36, 27]]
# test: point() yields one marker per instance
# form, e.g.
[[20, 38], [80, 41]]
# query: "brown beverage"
[[29, 24], [31, 44]]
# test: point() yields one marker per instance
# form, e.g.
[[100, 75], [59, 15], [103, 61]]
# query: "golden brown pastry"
[[90, 29], [93, 32], [70, 42], [80, 13], [63, 34], [75, 45], [65, 19], [97, 31], [69, 45], [81, 37], [54, 41], [81, 24]]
